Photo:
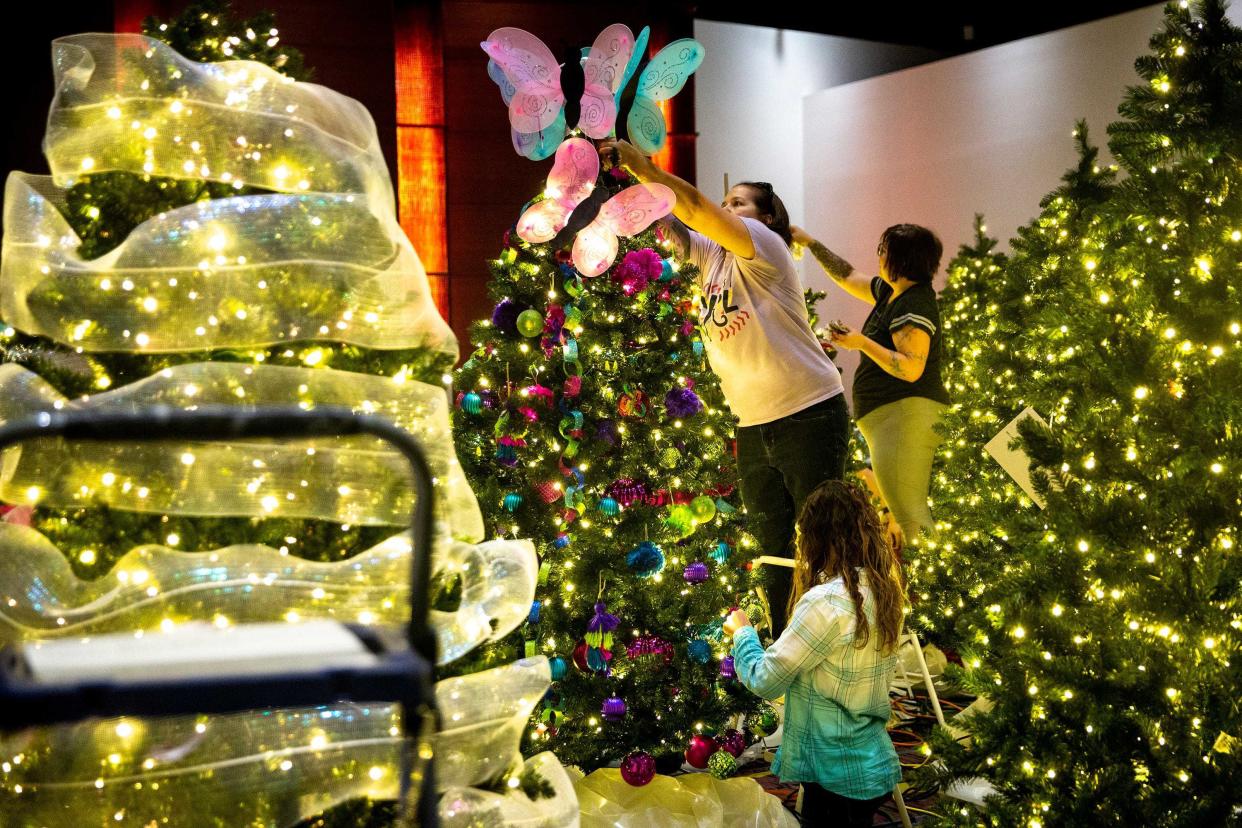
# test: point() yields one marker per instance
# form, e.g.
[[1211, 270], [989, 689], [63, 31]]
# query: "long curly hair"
[[839, 534]]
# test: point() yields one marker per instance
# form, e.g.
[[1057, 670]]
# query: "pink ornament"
[[652, 647], [627, 491], [572, 386], [638, 768], [700, 750]]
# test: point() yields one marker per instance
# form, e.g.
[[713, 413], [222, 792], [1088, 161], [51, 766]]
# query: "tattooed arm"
[[905, 362], [842, 272]]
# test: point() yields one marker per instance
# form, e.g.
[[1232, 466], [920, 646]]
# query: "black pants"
[[824, 809], [779, 464]]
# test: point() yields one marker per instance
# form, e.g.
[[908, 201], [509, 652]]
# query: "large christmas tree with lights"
[[1109, 640], [588, 420], [216, 232], [987, 304]]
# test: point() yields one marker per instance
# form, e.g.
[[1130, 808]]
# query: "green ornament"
[[530, 323], [703, 508], [681, 520], [764, 720], [722, 764], [670, 457]]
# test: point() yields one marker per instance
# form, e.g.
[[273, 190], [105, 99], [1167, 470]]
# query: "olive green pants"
[[902, 438]]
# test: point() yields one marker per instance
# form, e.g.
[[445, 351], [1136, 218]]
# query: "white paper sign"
[[1015, 461]]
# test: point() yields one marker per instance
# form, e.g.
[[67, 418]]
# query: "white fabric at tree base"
[[696, 800]]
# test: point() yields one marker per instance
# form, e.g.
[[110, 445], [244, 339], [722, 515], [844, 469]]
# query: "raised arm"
[[842, 272], [677, 234], [693, 208]]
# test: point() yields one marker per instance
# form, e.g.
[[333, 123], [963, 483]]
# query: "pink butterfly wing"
[[628, 212], [572, 179], [595, 248], [603, 71], [534, 73], [633, 209], [542, 221]]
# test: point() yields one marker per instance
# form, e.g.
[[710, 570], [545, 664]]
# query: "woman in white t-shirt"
[[793, 425]]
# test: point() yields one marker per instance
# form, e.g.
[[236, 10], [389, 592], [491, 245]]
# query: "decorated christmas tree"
[[219, 233], [1108, 643], [589, 421]]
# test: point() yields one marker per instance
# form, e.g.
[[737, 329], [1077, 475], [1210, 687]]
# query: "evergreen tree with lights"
[[588, 420], [103, 209], [989, 300], [1109, 642]]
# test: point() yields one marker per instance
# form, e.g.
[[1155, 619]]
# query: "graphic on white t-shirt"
[[719, 318]]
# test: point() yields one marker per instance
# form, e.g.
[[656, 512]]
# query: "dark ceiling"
[[951, 28]]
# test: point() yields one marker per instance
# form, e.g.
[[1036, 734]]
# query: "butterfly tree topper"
[[571, 184], [530, 85]]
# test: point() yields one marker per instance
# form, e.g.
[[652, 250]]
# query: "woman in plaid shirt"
[[834, 661]]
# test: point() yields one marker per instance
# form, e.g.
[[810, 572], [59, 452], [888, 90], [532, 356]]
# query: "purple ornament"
[[613, 709], [696, 573], [638, 768], [682, 402], [505, 314], [727, 669], [607, 432], [733, 742]]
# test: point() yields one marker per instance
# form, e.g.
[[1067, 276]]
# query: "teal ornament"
[[609, 506], [724, 507], [722, 552], [699, 651], [645, 560], [703, 508], [697, 345], [666, 270], [559, 667], [471, 403], [512, 501], [530, 322]]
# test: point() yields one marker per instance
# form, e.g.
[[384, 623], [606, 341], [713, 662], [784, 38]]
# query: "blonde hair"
[[839, 533]]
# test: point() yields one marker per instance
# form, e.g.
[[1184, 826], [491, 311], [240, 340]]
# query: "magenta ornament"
[[733, 741], [700, 750], [638, 768]]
